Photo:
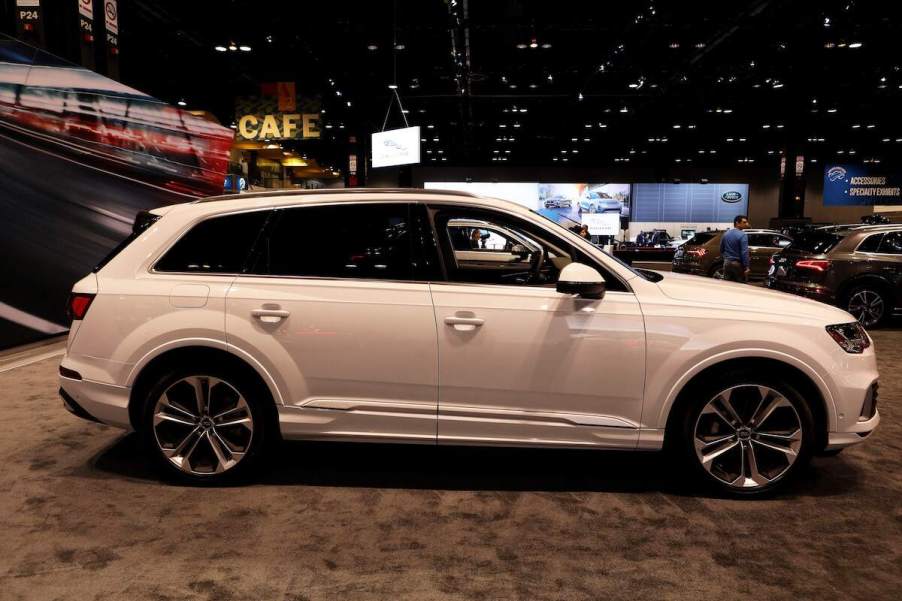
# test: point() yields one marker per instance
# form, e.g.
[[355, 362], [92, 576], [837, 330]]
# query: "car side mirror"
[[520, 250], [581, 280]]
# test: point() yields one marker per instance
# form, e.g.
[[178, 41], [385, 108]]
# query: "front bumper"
[[856, 434]]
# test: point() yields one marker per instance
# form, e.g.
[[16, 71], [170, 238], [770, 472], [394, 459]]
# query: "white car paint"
[[450, 362]]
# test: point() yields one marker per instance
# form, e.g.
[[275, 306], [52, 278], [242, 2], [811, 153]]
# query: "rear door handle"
[[270, 315], [464, 324]]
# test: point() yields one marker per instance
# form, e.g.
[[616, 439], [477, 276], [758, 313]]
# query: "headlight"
[[850, 336]]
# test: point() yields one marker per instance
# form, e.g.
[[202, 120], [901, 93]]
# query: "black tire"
[[228, 439], [713, 271], [858, 301], [743, 383]]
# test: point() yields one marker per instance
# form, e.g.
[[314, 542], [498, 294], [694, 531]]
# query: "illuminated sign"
[[602, 224], [396, 147], [279, 126], [856, 185]]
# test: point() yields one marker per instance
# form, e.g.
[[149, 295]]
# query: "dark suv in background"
[[859, 269], [700, 255]]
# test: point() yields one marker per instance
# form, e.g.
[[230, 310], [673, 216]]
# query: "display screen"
[[690, 203], [566, 200], [396, 147]]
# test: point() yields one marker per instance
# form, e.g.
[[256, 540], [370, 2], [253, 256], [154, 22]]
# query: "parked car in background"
[[701, 254], [858, 269], [593, 202]]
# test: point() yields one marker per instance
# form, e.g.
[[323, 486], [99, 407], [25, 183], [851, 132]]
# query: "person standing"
[[734, 247]]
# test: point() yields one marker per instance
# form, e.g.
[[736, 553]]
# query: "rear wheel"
[[868, 304], [204, 425], [746, 434], [717, 272]]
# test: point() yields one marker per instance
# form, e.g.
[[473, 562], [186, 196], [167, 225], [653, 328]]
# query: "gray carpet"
[[83, 518]]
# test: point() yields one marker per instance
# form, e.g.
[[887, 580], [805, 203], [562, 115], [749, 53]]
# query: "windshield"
[[700, 238], [816, 242], [638, 272]]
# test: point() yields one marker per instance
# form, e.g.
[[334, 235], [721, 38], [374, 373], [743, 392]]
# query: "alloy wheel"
[[748, 436], [718, 273], [867, 306], [203, 425]]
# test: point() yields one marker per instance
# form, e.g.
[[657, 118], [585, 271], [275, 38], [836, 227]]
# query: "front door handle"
[[270, 315], [464, 324]]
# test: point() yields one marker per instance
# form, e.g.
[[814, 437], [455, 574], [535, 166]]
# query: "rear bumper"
[[96, 401], [817, 292]]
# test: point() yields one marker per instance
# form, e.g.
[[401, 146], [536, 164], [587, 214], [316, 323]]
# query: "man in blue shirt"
[[734, 247]]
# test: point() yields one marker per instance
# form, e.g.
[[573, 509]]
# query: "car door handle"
[[270, 315], [464, 324]]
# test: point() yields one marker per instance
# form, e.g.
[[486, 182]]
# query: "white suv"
[[226, 324]]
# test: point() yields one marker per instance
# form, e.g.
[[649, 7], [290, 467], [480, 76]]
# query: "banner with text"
[[858, 185]]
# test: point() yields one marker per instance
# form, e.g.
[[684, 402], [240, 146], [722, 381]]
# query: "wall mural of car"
[[593, 202], [558, 201]]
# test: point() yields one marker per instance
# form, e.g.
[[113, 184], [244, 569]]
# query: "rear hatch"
[[694, 249], [807, 258]]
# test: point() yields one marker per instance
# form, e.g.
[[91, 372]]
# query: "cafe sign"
[[278, 126]]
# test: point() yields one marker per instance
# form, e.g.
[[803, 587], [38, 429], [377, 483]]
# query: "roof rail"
[[337, 191]]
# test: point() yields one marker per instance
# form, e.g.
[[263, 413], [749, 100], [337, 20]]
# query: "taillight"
[[697, 252], [815, 264], [78, 305]]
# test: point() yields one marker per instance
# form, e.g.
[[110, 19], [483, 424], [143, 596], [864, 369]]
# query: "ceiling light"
[[181, 103], [833, 110], [233, 47], [400, 46], [674, 45], [829, 45], [580, 97], [372, 47], [220, 48], [856, 126], [546, 45], [521, 46], [677, 126], [855, 45], [392, 86], [244, 48], [533, 43], [871, 126]]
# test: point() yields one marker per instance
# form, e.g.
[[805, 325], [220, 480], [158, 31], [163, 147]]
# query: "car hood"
[[747, 298]]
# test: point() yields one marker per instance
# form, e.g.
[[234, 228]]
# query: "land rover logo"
[[731, 196]]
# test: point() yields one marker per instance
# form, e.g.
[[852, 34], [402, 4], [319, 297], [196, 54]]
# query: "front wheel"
[[746, 434], [204, 425]]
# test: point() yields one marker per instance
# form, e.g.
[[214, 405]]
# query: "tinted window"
[[701, 238], [815, 242], [217, 245], [892, 243], [371, 241], [870, 244]]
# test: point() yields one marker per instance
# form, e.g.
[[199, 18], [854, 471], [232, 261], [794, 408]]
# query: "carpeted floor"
[[84, 519]]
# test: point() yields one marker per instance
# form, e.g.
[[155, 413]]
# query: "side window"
[[783, 241], [487, 248], [870, 244], [892, 243], [216, 245], [368, 241]]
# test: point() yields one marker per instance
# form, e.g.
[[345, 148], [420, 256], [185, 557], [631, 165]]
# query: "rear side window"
[[368, 241], [815, 242], [870, 244], [216, 245], [892, 243], [701, 238]]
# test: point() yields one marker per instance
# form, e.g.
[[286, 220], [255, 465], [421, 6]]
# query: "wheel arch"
[[146, 372], [805, 384], [871, 279]]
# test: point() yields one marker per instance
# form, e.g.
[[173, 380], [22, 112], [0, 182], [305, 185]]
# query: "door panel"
[[527, 365], [352, 358]]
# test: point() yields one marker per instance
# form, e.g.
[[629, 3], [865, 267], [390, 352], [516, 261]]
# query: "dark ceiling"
[[650, 83]]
